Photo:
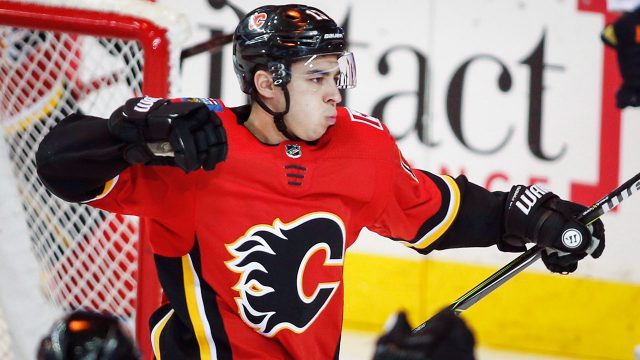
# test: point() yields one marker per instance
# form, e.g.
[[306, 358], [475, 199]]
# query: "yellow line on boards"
[[535, 312]]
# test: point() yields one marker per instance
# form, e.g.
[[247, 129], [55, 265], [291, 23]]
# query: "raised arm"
[[82, 153]]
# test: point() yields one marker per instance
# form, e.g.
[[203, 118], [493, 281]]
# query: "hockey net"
[[59, 57]]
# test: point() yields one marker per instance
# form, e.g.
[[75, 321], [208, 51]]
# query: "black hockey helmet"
[[272, 37], [84, 335]]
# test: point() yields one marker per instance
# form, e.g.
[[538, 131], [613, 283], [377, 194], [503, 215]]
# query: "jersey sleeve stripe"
[[108, 186], [443, 219], [155, 334], [195, 307]]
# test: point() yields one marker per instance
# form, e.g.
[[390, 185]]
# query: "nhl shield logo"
[[293, 150]]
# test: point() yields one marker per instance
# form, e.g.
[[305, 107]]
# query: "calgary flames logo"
[[257, 21], [273, 264]]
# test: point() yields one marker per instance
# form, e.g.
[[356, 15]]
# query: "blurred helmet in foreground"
[[84, 335]]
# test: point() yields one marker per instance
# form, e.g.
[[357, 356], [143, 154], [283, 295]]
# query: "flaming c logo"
[[272, 261], [257, 21]]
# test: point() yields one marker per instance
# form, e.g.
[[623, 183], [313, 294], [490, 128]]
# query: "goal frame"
[[154, 40]]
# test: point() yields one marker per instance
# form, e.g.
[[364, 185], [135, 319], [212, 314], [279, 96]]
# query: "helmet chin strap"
[[278, 117]]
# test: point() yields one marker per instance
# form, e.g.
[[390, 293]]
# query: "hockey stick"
[[217, 42], [212, 45], [219, 4], [530, 256]]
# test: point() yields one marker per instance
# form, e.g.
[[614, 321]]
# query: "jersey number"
[[366, 119]]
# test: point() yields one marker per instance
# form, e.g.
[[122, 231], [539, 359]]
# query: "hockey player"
[[624, 36], [257, 204]]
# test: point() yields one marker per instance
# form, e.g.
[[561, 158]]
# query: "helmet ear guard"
[[279, 73]]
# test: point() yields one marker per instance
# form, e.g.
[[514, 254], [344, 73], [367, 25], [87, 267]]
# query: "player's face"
[[314, 96]]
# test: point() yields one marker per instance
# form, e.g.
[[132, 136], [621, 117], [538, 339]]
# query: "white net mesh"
[[87, 258]]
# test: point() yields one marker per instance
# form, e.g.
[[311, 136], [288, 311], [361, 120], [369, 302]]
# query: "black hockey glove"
[[445, 337], [621, 35], [536, 215], [159, 132]]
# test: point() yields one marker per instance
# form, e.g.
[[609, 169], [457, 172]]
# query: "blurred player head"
[[446, 336], [622, 36], [291, 60], [84, 335]]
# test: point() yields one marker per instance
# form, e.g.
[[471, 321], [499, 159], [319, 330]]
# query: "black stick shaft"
[[211, 45], [604, 205], [611, 200]]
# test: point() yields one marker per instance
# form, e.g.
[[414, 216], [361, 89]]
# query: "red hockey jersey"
[[251, 254]]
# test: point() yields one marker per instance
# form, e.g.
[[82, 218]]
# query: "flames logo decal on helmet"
[[273, 264], [257, 21]]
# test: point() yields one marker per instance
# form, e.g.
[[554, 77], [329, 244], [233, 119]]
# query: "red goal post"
[[62, 56]]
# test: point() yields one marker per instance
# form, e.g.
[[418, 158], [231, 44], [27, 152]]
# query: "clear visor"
[[341, 67]]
